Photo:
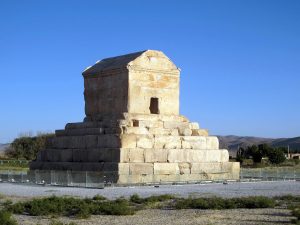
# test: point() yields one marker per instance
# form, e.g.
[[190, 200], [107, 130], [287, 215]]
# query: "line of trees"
[[27, 147], [257, 152]]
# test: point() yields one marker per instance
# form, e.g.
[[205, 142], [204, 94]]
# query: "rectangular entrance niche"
[[154, 109]]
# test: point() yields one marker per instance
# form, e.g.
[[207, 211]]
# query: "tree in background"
[[276, 156], [27, 147], [255, 153], [264, 149]]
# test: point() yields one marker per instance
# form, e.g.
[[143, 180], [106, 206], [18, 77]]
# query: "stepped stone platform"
[[132, 132]]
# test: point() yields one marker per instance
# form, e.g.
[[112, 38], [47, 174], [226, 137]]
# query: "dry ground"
[[178, 217]]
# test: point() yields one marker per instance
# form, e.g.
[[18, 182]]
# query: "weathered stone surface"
[[145, 141], [178, 155], [128, 140], [136, 155], [185, 131], [132, 132], [167, 142], [197, 142], [175, 125], [212, 142], [166, 168], [184, 168], [140, 168], [108, 141], [136, 130], [156, 155], [199, 132], [194, 126]]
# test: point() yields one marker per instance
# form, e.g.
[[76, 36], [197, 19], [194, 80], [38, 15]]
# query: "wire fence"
[[270, 173], [91, 179]]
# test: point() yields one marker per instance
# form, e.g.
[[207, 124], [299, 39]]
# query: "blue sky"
[[239, 60]]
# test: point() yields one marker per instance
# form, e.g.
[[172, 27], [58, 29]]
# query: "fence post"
[[85, 178]]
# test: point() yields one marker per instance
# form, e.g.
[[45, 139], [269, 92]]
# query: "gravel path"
[[237, 189]]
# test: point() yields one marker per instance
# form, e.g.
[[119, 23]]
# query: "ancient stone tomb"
[[132, 132]]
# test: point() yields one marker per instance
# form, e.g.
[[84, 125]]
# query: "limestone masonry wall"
[[132, 132]]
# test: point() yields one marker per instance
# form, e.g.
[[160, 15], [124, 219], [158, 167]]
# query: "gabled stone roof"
[[120, 62]]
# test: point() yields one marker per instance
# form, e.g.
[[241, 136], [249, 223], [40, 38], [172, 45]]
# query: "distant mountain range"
[[232, 142]]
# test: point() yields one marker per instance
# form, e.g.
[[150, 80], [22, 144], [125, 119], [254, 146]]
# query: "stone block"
[[166, 178], [195, 142], [194, 125], [128, 140], [135, 179], [166, 168], [212, 142], [150, 124], [185, 131], [206, 168], [174, 132], [83, 125], [123, 169], [145, 141], [140, 168], [112, 130], [79, 132], [136, 130], [103, 155], [124, 155], [224, 155], [136, 155], [175, 124], [186, 145], [204, 155], [91, 141], [177, 155], [156, 155], [199, 132], [184, 168], [108, 141], [80, 155], [167, 142], [159, 131]]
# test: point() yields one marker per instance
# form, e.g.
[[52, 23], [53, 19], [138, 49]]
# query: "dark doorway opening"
[[154, 106]]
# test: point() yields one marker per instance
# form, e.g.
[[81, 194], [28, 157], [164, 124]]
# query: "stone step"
[[133, 155], [85, 142], [87, 131], [79, 155], [143, 169]]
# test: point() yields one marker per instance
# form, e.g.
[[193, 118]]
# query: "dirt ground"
[[178, 217]]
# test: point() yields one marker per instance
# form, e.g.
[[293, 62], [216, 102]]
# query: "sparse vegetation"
[[27, 147], [72, 207], [152, 199], [6, 218], [220, 203], [99, 205]]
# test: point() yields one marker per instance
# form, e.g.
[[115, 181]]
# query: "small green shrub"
[[152, 199], [99, 198], [5, 218], [290, 198], [255, 202], [69, 206], [220, 203], [296, 213]]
